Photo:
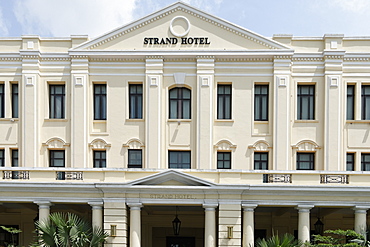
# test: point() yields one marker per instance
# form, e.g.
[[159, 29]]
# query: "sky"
[[62, 18]]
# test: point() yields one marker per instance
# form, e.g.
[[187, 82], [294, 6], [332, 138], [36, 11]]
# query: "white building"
[[184, 113]]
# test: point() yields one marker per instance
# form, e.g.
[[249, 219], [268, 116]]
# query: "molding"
[[225, 145]]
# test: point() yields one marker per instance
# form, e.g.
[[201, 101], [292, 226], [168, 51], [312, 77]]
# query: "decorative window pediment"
[[55, 143], [306, 145], [225, 145], [99, 144], [261, 145], [134, 143]]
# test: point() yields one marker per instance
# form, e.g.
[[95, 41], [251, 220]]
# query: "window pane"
[[57, 101], [15, 158], [2, 158], [350, 102], [261, 160], [350, 162], [134, 158], [57, 158], [2, 101], [180, 103], [306, 102], [179, 159], [305, 161], [15, 100], [261, 103], [223, 101], [99, 159], [136, 98], [100, 102]]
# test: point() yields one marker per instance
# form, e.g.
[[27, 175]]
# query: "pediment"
[[180, 27], [171, 178]]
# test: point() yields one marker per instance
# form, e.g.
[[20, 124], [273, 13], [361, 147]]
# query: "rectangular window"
[[2, 158], [223, 160], [261, 100], [14, 100], [350, 162], [135, 158], [100, 160], [305, 161], [350, 102], [365, 162], [180, 103], [57, 158], [15, 174], [136, 101], [261, 161], [2, 101], [306, 102], [100, 102], [57, 104], [179, 159], [223, 101], [365, 102]]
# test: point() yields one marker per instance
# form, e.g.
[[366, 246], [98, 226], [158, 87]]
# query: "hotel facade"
[[181, 113]]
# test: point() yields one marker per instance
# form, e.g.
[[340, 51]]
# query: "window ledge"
[[135, 120], [56, 120], [99, 133], [261, 122], [358, 121], [224, 120], [9, 119], [306, 121], [99, 121], [178, 120]]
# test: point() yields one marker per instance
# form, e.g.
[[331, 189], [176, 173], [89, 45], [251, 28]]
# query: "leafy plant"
[[287, 240], [13, 231], [340, 238], [69, 230]]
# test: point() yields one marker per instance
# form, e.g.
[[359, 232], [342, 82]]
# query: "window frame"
[[364, 163], [350, 98], [310, 98], [52, 158], [224, 102], [131, 152], [101, 161], [180, 157], [135, 101], [15, 158], [180, 103], [300, 161], [2, 100], [258, 164], [364, 106], [15, 100], [53, 98], [259, 99], [100, 102], [350, 163], [223, 160], [2, 157]]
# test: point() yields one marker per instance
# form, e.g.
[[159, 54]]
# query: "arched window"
[[180, 103]]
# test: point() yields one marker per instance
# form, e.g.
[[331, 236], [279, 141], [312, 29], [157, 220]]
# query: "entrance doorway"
[[180, 242]]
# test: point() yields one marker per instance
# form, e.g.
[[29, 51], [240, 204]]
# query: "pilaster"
[[115, 218], [205, 112], [281, 113], [154, 131], [229, 225], [334, 110], [79, 110]]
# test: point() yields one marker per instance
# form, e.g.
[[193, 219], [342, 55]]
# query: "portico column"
[[210, 225], [248, 224], [360, 218], [304, 222], [97, 214], [135, 224], [44, 209]]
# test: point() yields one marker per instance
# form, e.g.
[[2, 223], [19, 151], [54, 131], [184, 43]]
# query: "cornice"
[[307, 59], [10, 58], [283, 57], [179, 59], [116, 60], [338, 57], [356, 59], [263, 59]]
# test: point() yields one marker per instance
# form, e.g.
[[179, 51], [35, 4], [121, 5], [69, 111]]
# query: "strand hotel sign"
[[178, 22]]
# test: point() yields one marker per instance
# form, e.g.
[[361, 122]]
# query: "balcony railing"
[[16, 175], [277, 178], [334, 179], [69, 175]]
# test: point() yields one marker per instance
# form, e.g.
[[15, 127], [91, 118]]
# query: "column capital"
[[360, 209], [43, 204], [135, 206], [210, 206], [304, 208], [249, 207], [96, 205]]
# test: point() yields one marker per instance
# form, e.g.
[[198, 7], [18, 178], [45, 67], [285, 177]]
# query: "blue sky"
[[62, 18]]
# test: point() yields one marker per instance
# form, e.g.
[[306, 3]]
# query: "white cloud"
[[66, 17], [355, 6], [3, 25], [210, 6]]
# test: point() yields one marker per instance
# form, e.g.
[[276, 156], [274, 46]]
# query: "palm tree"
[[287, 240], [68, 230]]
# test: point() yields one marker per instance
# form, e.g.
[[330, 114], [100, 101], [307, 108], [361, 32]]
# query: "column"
[[44, 209], [135, 224], [205, 112], [360, 218], [97, 214], [304, 222], [154, 129], [210, 225], [248, 224]]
